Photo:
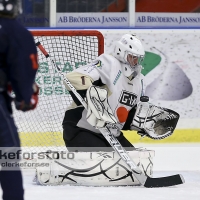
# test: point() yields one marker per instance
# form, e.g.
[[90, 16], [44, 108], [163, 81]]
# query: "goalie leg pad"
[[93, 168]]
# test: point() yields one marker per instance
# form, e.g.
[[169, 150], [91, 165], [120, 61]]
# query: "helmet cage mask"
[[134, 58], [133, 64]]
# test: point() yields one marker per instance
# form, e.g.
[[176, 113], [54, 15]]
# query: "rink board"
[[179, 136]]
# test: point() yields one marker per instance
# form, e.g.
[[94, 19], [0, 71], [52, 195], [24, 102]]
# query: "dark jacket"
[[18, 58]]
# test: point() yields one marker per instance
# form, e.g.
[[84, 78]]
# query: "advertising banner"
[[92, 19], [145, 19], [142, 19]]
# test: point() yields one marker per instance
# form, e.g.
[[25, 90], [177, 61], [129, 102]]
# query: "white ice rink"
[[169, 159]]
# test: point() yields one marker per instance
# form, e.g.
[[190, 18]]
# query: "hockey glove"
[[99, 112], [153, 121], [33, 101]]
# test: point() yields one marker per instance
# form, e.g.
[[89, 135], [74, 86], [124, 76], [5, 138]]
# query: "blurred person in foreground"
[[18, 66]]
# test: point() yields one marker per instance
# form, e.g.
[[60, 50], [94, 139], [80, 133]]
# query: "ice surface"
[[169, 159]]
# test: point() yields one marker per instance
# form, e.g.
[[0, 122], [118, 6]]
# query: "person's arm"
[[82, 81], [22, 67]]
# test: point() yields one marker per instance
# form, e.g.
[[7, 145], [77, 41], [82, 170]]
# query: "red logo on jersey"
[[122, 114]]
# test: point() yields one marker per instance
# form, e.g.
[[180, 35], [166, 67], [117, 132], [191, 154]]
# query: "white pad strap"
[[99, 112]]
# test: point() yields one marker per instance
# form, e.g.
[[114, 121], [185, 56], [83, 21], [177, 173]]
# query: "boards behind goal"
[[42, 127]]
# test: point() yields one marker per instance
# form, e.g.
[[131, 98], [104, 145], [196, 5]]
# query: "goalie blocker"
[[153, 121]]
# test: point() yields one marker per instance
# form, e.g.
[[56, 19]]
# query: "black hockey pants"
[[80, 139]]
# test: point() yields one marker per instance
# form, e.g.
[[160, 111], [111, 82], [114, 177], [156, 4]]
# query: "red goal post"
[[42, 127], [75, 33]]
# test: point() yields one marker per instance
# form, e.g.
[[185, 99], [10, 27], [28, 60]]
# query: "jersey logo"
[[122, 114], [117, 77], [98, 64], [128, 99]]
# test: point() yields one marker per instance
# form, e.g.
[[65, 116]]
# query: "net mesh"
[[42, 127]]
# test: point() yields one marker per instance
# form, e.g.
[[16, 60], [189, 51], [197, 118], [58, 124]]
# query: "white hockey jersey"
[[106, 72]]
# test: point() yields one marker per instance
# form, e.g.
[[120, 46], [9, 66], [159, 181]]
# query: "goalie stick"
[[142, 178]]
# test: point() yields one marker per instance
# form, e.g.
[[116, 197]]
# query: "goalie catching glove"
[[99, 112], [153, 121]]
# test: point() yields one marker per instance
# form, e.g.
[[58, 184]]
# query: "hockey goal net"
[[42, 127]]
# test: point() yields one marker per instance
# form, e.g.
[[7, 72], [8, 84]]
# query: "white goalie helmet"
[[132, 46]]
